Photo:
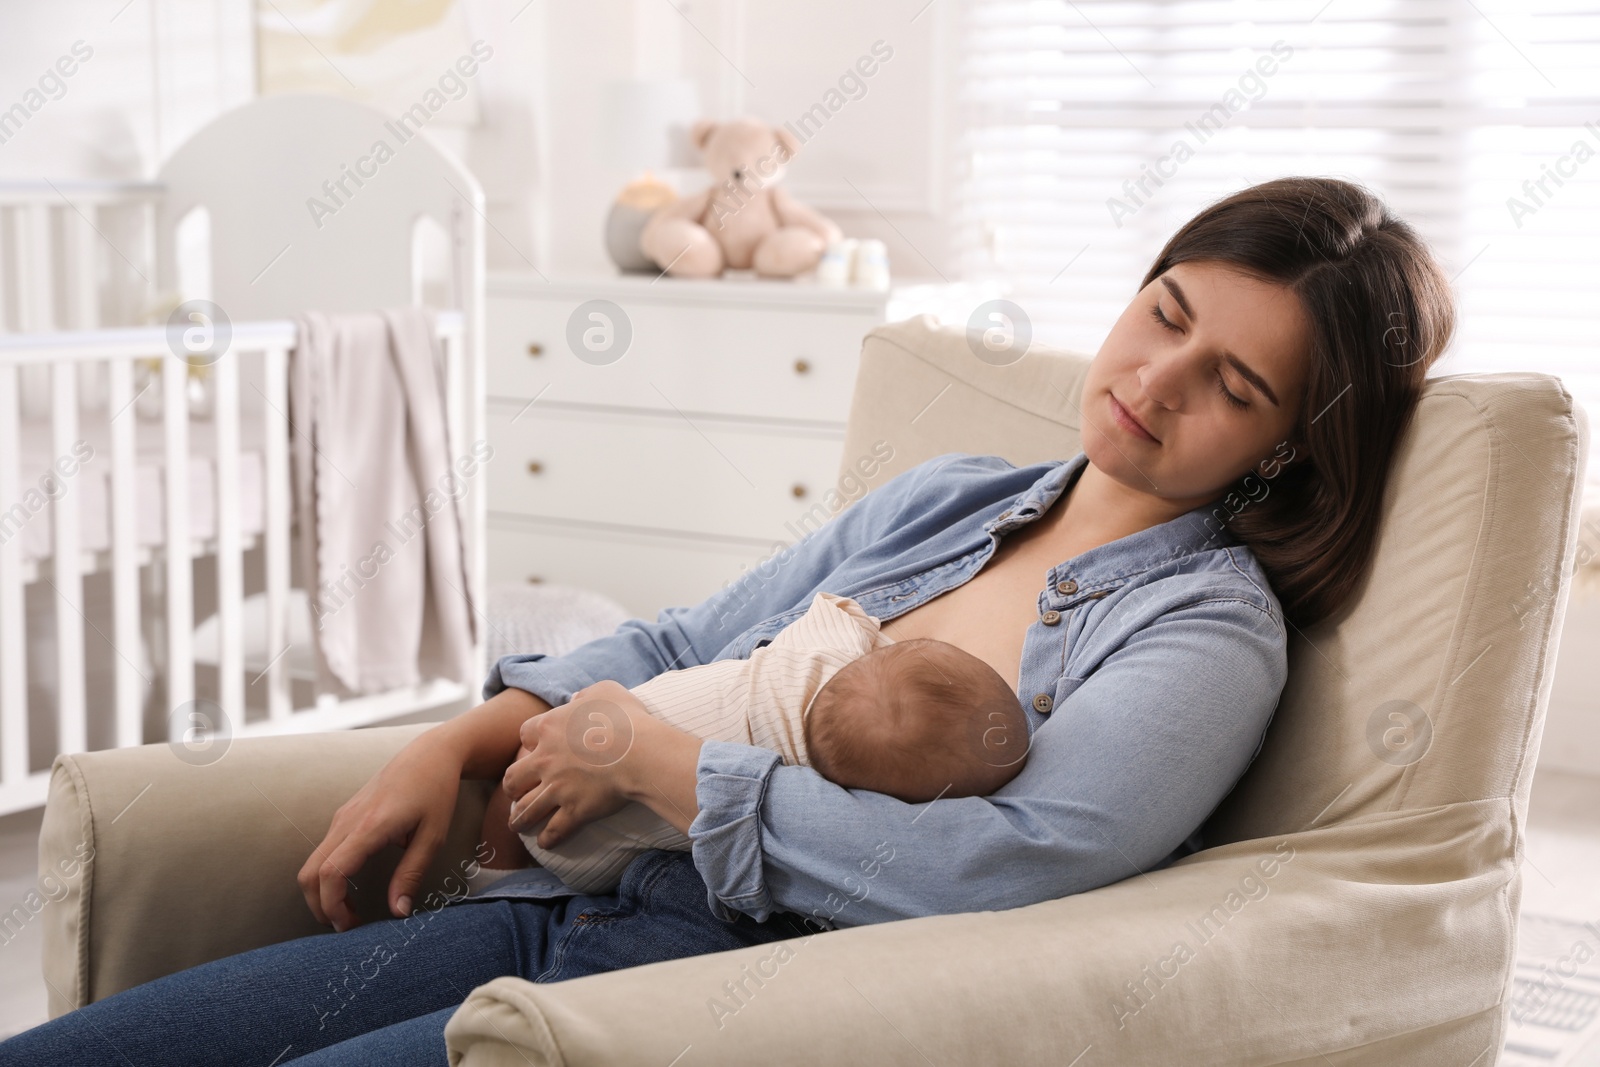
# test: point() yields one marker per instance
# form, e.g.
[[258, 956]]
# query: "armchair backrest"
[[1429, 688]]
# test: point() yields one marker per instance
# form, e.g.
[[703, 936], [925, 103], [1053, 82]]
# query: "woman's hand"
[[409, 803], [591, 756], [570, 771]]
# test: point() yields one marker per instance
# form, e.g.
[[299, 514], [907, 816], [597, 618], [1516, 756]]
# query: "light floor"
[[1556, 1004], [1555, 1017]]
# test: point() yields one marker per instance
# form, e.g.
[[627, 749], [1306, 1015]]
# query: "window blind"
[[1478, 121]]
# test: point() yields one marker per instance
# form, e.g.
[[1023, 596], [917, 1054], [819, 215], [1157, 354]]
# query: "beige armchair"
[[1358, 903]]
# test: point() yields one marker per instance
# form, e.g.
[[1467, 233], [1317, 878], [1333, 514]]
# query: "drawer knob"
[[535, 467], [802, 366], [535, 348], [534, 579], [798, 490]]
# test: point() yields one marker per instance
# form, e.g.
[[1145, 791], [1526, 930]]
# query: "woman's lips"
[[1122, 417]]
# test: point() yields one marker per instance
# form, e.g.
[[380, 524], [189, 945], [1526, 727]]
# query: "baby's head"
[[916, 720]]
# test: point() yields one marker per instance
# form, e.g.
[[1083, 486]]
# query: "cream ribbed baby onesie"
[[758, 701]]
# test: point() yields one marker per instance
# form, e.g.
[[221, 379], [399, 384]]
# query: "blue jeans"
[[381, 993]]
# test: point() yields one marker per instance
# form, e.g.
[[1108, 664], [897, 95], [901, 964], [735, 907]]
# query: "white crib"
[[131, 485]]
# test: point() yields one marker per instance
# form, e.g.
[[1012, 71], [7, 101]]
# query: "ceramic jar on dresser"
[[653, 439]]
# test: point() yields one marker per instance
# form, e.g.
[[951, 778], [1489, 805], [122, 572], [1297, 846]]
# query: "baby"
[[916, 719]]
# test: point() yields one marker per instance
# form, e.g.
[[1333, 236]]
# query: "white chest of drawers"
[[657, 444]]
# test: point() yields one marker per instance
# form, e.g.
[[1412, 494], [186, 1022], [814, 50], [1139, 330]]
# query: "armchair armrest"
[[155, 865], [1376, 941]]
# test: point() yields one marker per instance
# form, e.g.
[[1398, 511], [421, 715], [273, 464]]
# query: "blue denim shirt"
[[1146, 700]]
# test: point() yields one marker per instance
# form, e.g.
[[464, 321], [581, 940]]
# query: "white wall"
[[157, 69], [160, 68], [1572, 726]]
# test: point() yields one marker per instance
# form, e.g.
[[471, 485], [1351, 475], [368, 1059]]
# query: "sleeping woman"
[[1136, 596]]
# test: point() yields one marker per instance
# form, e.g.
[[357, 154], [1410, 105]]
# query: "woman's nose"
[[1161, 380]]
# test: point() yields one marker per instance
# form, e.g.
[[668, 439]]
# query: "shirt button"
[[1050, 618], [1067, 588], [1042, 702]]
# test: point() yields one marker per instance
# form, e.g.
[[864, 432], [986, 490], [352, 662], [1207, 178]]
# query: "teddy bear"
[[744, 219]]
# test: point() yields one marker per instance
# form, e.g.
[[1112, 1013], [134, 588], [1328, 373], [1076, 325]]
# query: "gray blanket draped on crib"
[[377, 502]]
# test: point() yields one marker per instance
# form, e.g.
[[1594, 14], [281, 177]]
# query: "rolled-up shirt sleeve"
[[1120, 775], [688, 636]]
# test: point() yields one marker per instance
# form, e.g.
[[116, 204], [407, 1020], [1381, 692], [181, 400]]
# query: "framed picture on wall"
[[395, 55]]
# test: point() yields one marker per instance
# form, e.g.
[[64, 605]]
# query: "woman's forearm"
[[486, 739], [659, 772]]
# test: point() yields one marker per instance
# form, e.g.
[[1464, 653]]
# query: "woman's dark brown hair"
[[1381, 311]]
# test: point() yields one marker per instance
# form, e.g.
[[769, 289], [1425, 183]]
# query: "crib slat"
[[455, 428], [35, 269], [85, 295], [85, 264], [275, 442], [179, 548], [125, 605], [13, 662], [72, 726], [149, 220], [469, 352], [230, 565], [35, 307], [455, 392], [7, 312], [464, 418]]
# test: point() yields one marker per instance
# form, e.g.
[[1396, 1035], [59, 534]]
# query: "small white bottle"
[[872, 265], [834, 268]]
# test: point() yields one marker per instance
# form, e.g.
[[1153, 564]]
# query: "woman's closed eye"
[[1155, 313], [1222, 385]]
